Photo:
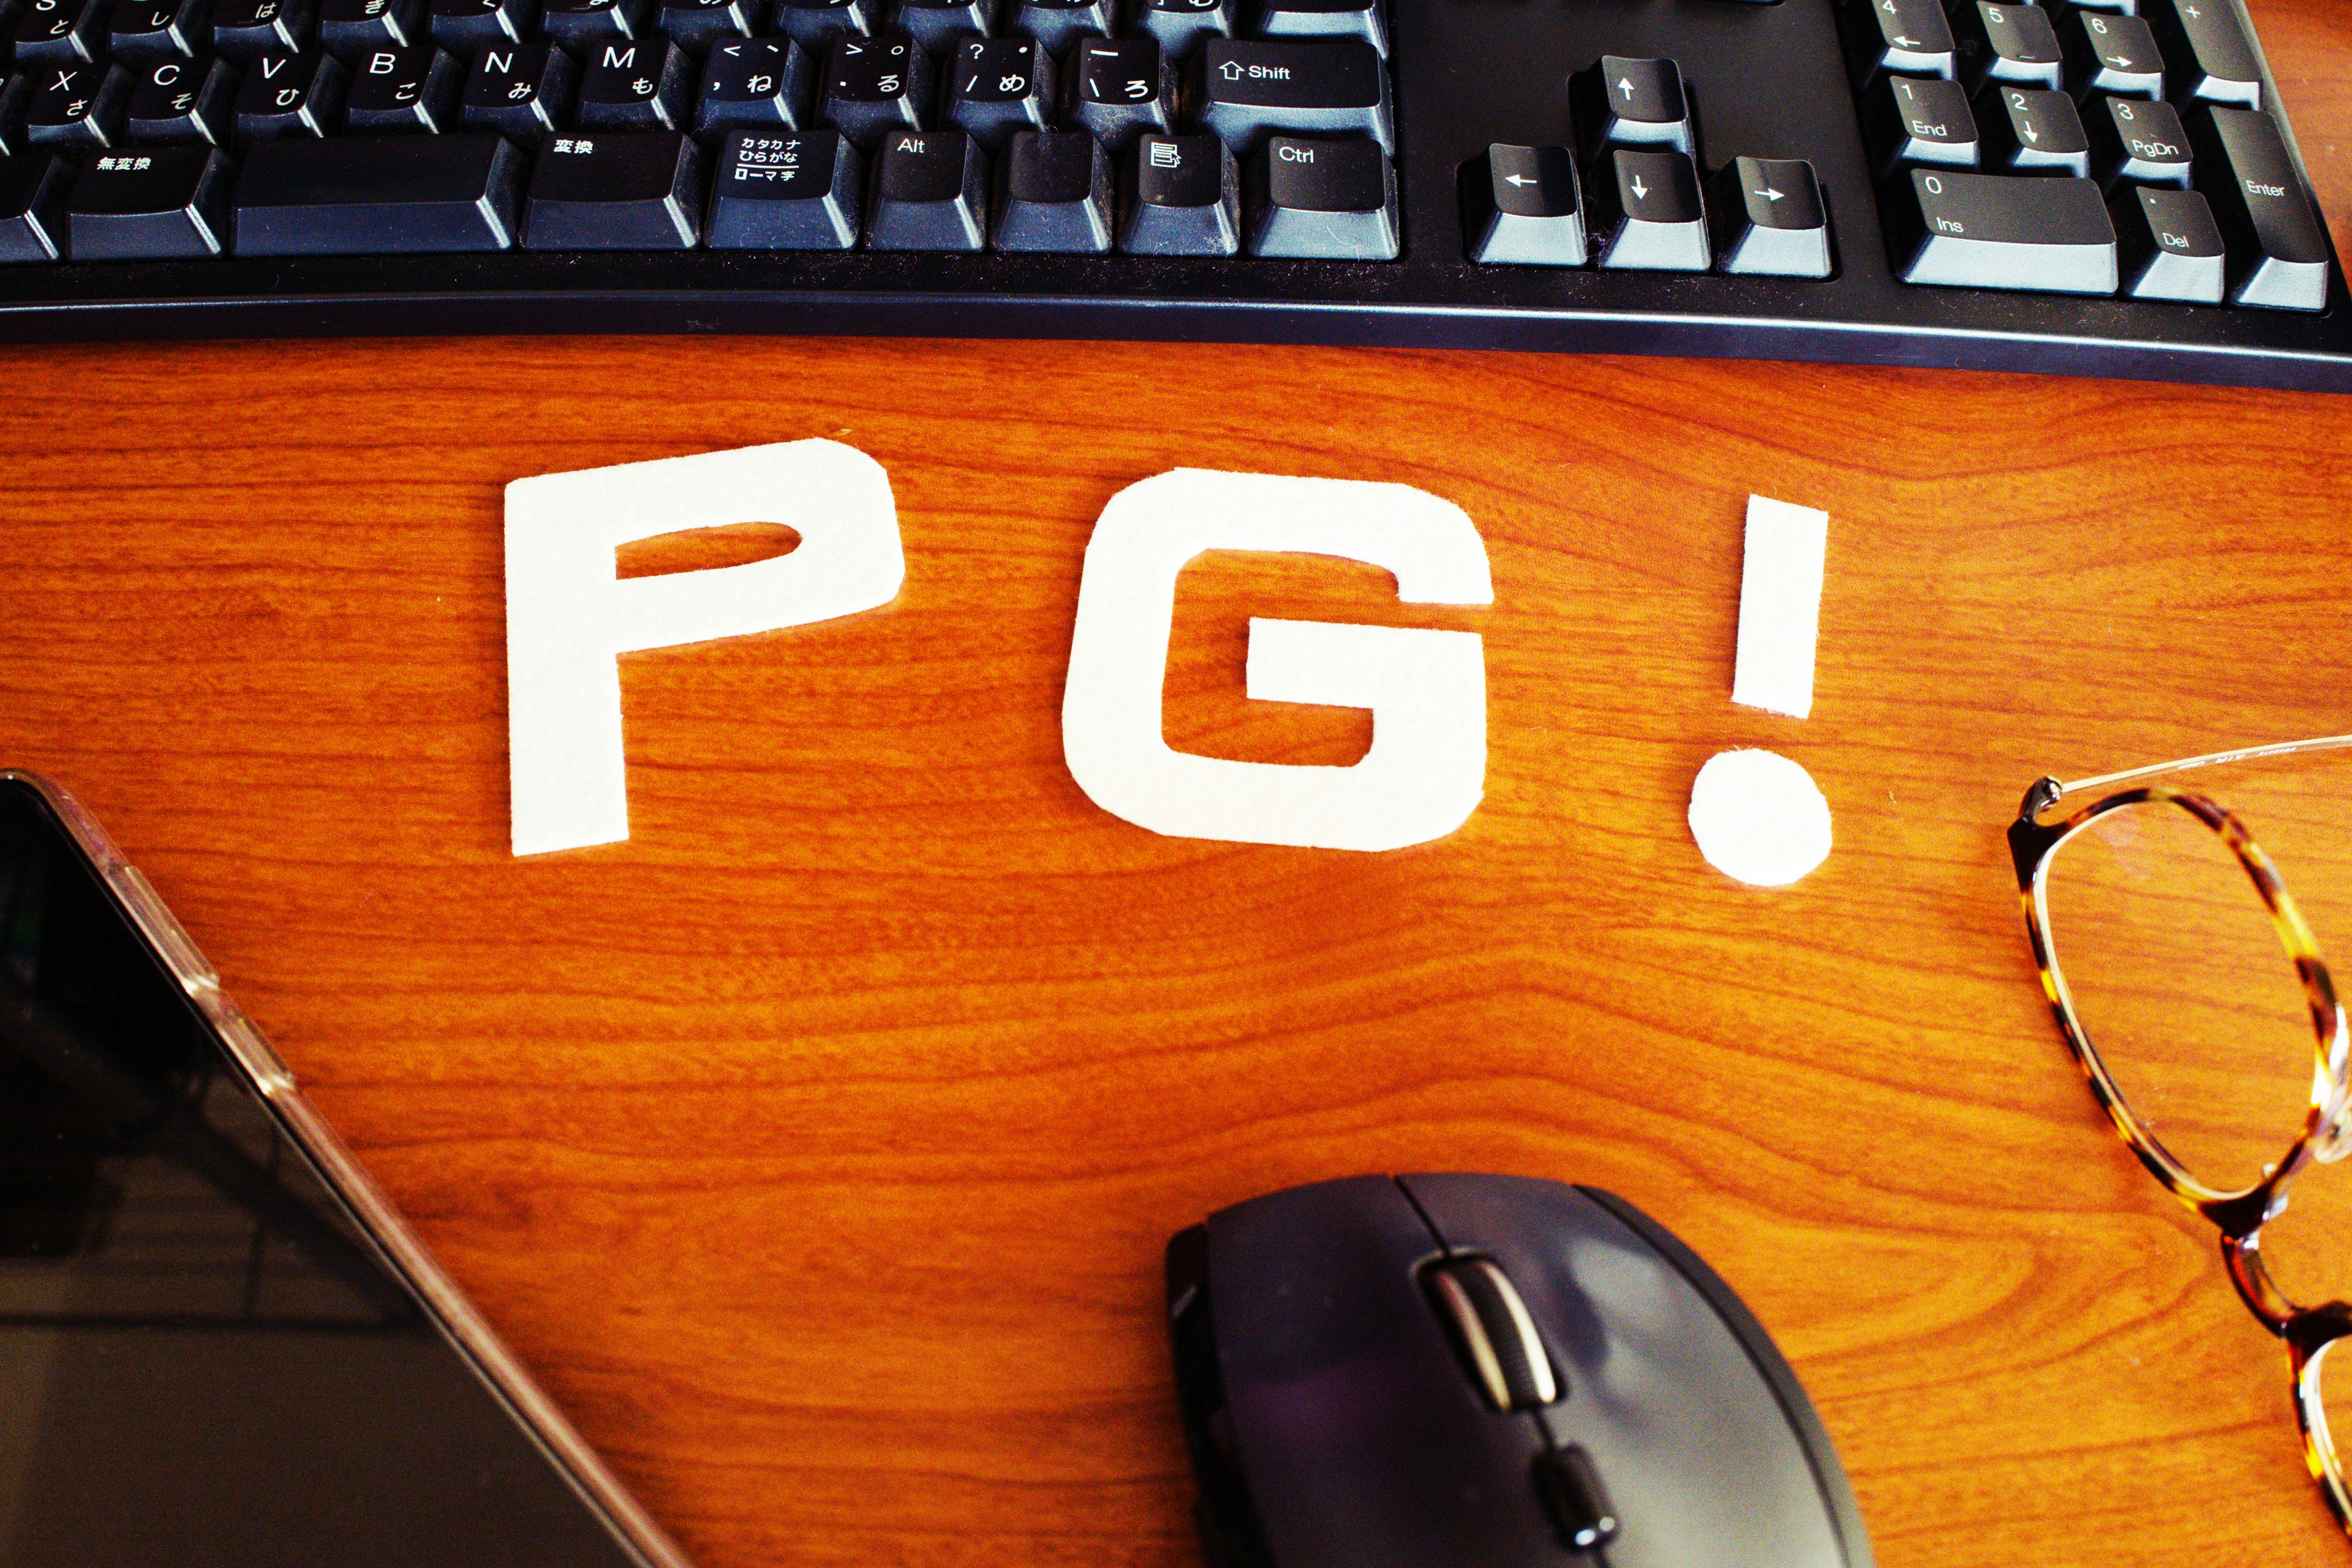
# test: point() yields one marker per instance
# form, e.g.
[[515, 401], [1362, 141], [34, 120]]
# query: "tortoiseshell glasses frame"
[[2307, 1331]]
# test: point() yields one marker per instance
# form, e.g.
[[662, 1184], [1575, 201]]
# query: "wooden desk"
[[818, 1145]]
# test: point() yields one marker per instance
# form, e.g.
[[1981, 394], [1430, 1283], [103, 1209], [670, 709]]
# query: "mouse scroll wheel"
[[1497, 1335]]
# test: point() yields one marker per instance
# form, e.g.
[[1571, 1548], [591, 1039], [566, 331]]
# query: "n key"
[[520, 91]]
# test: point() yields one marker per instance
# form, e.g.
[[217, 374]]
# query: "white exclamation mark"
[[1758, 816]]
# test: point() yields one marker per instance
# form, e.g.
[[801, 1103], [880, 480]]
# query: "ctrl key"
[[787, 190], [1333, 199]]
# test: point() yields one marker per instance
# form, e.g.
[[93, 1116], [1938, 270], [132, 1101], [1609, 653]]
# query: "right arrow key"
[[1769, 219]]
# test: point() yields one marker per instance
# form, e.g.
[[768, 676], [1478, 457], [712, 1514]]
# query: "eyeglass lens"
[[2178, 978]]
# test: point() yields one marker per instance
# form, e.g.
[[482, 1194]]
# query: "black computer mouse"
[[1487, 1372]]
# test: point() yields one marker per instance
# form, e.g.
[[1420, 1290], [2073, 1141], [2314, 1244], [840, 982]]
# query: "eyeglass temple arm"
[[2058, 791]]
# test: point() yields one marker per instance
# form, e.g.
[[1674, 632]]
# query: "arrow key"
[[1646, 211], [1767, 218], [1902, 37], [2111, 54], [1624, 102], [1520, 207], [2033, 132]]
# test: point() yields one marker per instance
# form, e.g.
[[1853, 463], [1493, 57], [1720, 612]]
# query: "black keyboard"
[[2108, 187]]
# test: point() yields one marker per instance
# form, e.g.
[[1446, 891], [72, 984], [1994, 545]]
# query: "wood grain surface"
[[817, 1146]]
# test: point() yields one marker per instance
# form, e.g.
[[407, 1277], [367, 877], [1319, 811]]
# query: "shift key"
[[1985, 231], [1246, 89], [372, 195]]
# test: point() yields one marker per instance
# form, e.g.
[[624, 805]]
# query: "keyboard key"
[[816, 23], [2142, 143], [785, 192], [182, 100], [999, 86], [2005, 43], [1985, 231], [356, 194], [1057, 194], [618, 190], [637, 84], [1059, 24], [60, 32], [1180, 27], [875, 86], [1919, 121], [145, 30], [1767, 218], [465, 28], [1629, 102], [350, 28], [520, 88], [1306, 197], [2168, 246], [930, 192], [1187, 198], [697, 26], [290, 95], [1362, 19], [1903, 37], [2112, 54], [156, 202], [2033, 132], [79, 105], [581, 25], [2212, 62], [32, 205], [1122, 88], [939, 26], [1246, 89], [756, 83], [1646, 211], [2278, 251], [15, 94], [412, 88], [1520, 207], [247, 29]]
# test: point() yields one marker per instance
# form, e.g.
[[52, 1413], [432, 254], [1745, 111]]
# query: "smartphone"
[[218, 1344]]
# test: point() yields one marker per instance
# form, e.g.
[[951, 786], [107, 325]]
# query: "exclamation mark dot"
[[1758, 816]]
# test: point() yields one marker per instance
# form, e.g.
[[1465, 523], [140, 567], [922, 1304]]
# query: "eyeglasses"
[[2173, 997]]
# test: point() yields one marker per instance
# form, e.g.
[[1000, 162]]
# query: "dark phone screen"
[[202, 1360]]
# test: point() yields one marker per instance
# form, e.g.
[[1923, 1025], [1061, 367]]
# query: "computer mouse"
[[1487, 1372]]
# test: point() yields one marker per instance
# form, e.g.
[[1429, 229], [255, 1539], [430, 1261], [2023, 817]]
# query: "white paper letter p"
[[570, 615]]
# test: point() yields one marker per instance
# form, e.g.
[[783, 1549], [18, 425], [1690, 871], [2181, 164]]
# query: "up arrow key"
[[1625, 86]]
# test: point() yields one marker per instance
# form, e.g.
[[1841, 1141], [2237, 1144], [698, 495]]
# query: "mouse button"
[[1316, 1275], [1359, 1438], [1572, 1494], [1491, 1327]]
